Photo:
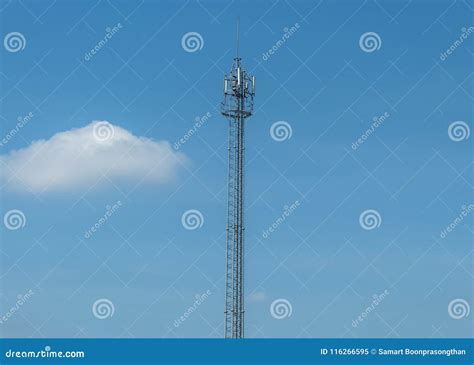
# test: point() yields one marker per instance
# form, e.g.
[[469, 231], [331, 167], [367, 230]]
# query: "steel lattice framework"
[[239, 91]]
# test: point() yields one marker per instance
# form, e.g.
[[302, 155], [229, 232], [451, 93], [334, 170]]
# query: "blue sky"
[[322, 83]]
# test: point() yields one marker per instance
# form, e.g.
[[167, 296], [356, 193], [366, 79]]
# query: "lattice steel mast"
[[239, 91]]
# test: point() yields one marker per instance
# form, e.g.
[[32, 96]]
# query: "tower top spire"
[[238, 35]]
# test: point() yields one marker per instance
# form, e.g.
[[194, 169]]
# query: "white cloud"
[[78, 158]]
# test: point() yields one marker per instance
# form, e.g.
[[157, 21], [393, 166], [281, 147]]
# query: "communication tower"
[[237, 106]]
